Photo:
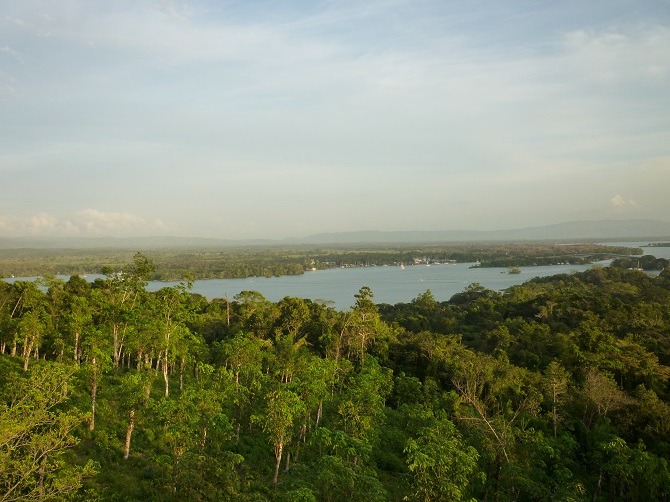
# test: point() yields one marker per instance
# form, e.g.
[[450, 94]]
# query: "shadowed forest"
[[553, 390]]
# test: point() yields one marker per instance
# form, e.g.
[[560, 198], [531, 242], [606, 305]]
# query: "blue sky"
[[268, 119]]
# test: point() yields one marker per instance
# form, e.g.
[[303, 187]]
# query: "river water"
[[388, 284]]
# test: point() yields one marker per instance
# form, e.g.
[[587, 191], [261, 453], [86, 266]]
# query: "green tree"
[[362, 407], [442, 464], [243, 356], [123, 292], [254, 313], [29, 317], [556, 383], [283, 409], [36, 431], [363, 325], [30, 328], [131, 398], [96, 353]]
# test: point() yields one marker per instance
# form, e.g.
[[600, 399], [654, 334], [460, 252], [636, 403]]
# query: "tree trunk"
[[76, 347], [596, 492], [278, 454], [203, 438], [94, 394], [363, 336], [165, 375], [129, 433], [182, 366], [117, 351], [554, 414], [147, 393], [26, 353]]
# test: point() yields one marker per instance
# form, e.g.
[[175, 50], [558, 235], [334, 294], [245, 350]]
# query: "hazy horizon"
[[625, 230], [268, 120]]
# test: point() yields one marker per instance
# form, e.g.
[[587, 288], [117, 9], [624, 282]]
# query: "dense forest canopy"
[[556, 389]]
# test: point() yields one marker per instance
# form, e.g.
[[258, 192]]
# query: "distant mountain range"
[[572, 230], [651, 230]]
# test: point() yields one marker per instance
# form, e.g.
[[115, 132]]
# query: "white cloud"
[[176, 9], [98, 222], [95, 222], [618, 57], [5, 49], [35, 224], [88, 222], [620, 202]]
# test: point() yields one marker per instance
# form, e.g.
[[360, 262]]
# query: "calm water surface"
[[389, 284], [658, 252]]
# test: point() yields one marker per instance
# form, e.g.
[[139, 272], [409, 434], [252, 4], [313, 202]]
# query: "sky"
[[272, 119]]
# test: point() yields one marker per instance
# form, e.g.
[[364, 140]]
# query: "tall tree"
[[556, 383], [37, 429], [123, 293], [284, 408], [442, 464]]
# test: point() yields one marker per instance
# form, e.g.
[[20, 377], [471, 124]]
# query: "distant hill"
[[569, 231], [572, 231]]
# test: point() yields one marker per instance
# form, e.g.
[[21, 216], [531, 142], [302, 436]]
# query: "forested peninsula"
[[200, 262], [556, 389]]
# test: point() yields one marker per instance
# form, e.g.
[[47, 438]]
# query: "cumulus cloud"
[[620, 206], [88, 222], [620, 202], [99, 222], [35, 224]]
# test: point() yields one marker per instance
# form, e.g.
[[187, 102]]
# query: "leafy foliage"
[[556, 389]]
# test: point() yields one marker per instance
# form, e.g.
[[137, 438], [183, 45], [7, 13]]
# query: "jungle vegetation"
[[556, 389]]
